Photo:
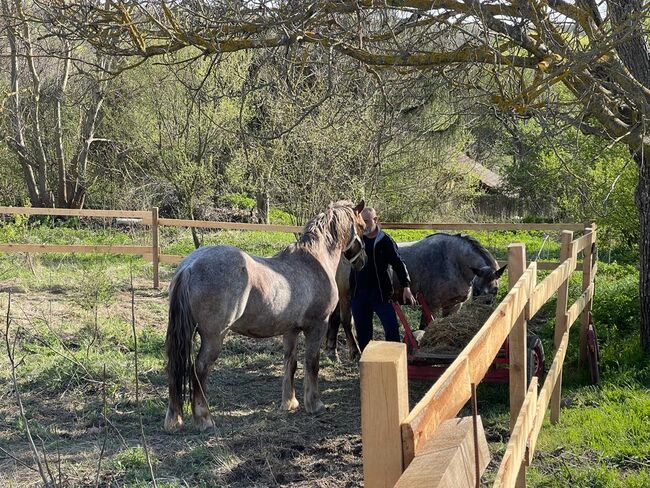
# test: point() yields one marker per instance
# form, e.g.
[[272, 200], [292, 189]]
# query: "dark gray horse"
[[445, 268], [217, 289]]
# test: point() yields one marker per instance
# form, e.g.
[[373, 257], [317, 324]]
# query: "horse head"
[[354, 251], [486, 282]]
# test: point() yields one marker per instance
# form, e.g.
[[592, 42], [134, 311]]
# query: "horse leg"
[[208, 353], [346, 321], [313, 337], [289, 401], [174, 416], [332, 334]]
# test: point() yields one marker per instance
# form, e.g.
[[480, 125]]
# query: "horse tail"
[[178, 343]]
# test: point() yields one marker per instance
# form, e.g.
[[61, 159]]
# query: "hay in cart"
[[449, 335]]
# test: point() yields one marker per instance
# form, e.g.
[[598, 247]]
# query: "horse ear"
[[360, 206], [483, 272], [500, 271]]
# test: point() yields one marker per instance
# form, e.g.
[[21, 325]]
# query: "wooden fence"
[[154, 253], [398, 443], [402, 448]]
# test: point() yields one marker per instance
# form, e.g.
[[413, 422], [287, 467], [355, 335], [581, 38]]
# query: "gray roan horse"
[[217, 289], [443, 267]]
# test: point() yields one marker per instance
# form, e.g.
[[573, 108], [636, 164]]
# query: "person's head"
[[369, 216]]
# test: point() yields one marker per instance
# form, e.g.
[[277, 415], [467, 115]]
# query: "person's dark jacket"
[[385, 254]]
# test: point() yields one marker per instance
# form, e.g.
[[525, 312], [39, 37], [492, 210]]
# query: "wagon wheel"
[[593, 354], [535, 359]]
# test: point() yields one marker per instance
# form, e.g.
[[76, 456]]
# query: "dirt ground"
[[253, 444]]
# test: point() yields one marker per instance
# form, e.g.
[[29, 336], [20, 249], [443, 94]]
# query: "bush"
[[237, 200], [616, 303], [277, 216]]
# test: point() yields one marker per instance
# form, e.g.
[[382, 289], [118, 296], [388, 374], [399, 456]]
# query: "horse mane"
[[480, 249], [328, 227]]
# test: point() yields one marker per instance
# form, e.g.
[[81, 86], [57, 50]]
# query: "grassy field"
[[72, 328]]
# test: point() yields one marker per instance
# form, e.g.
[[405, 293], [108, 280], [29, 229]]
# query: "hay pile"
[[449, 335]]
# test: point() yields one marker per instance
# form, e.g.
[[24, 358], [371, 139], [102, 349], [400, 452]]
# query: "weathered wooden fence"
[[427, 446], [154, 252]]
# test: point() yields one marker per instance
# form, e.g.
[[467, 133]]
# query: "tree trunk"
[[262, 205], [195, 234], [643, 202]]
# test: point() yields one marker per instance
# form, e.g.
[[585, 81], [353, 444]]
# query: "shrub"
[[616, 304]]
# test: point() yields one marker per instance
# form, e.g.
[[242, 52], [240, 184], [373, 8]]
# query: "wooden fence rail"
[[154, 253], [422, 426]]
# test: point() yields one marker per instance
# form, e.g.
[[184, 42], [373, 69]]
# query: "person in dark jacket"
[[371, 287]]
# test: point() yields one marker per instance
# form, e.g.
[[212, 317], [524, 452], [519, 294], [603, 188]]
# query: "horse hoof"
[[316, 408], [173, 422], [289, 405], [204, 423]]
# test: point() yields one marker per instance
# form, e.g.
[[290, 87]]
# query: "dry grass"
[[449, 335]]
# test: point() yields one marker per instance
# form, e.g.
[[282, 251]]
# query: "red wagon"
[[429, 366]]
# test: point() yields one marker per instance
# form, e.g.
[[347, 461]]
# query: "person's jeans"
[[363, 307]]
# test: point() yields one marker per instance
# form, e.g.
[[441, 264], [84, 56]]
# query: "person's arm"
[[396, 262], [399, 268]]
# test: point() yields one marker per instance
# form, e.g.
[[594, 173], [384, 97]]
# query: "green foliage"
[[611, 421], [586, 177], [423, 181], [12, 188], [15, 230], [237, 200], [579, 476], [617, 307], [254, 242], [277, 216], [132, 464]]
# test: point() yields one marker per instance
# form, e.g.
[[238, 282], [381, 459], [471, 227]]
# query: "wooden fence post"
[[587, 277], [560, 319], [518, 349], [155, 247], [384, 405]]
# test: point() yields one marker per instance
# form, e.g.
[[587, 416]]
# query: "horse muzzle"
[[359, 258]]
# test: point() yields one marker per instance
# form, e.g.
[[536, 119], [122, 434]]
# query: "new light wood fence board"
[[73, 248], [66, 212], [544, 397], [447, 459], [383, 375], [544, 290], [582, 242], [579, 305], [517, 351], [567, 253], [443, 401], [588, 274], [485, 345], [209, 224], [450, 392], [516, 448], [546, 265]]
